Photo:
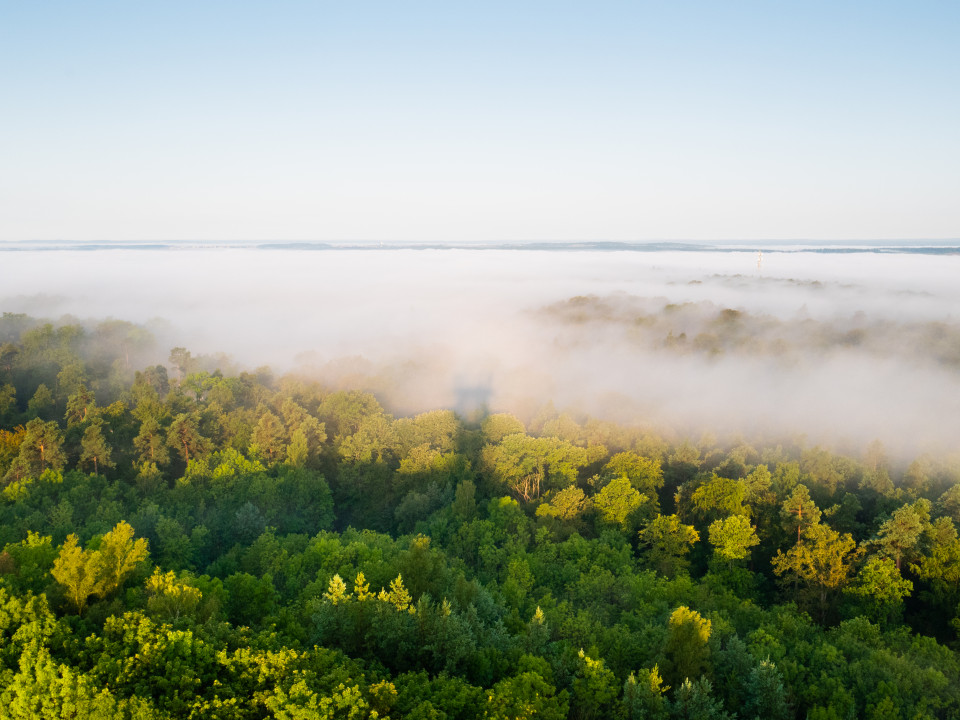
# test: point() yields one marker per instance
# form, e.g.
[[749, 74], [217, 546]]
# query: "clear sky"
[[489, 120]]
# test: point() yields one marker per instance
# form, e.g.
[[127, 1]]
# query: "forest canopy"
[[185, 538]]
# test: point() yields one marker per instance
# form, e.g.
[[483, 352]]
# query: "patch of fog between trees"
[[460, 328]]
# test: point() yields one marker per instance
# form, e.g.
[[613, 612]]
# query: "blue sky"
[[479, 121]]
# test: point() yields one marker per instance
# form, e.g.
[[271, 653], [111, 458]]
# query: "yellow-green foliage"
[[170, 598], [83, 573]]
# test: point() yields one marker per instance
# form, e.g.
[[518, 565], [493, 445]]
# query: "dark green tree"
[[94, 448], [80, 406], [693, 700], [184, 436], [767, 698], [644, 695], [151, 442]]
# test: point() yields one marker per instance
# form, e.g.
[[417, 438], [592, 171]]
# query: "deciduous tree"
[[83, 573], [667, 541], [618, 501], [733, 537], [687, 652]]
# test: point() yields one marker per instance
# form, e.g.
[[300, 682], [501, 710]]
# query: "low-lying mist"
[[842, 349]]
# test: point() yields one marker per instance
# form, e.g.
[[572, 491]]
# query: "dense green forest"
[[187, 539]]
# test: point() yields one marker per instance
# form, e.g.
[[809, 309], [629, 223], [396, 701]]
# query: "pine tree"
[[151, 443], [693, 700], [799, 511], [184, 435], [821, 561], [80, 405], [41, 448], [643, 695], [767, 698], [899, 535], [94, 447]]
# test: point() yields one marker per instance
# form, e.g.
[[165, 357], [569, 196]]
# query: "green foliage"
[[44, 688], [151, 442], [900, 534], [77, 571], [29, 562], [25, 623], [881, 589], [950, 502], [524, 695], [767, 695], [40, 449], [667, 541], [81, 406], [822, 562], [496, 427], [593, 690], [270, 437], [643, 695], [719, 497], [8, 400], [169, 599], [645, 474], [490, 606], [250, 600], [693, 700], [686, 650], [94, 448], [567, 504], [184, 437], [799, 512], [733, 537], [301, 703], [41, 404], [528, 466], [375, 440], [618, 502]]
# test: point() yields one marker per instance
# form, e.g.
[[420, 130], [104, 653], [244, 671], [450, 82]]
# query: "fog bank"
[[841, 348]]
